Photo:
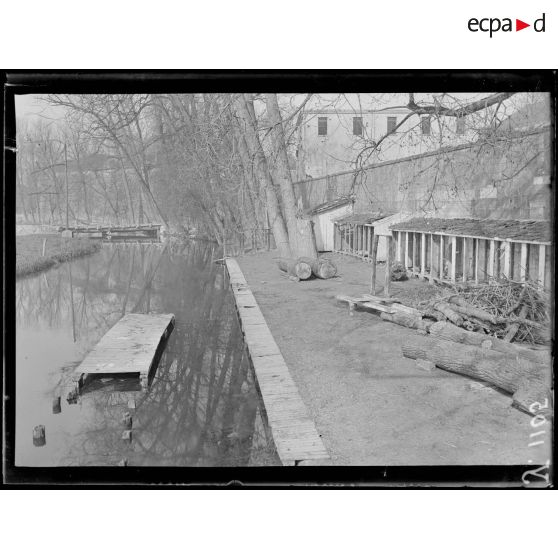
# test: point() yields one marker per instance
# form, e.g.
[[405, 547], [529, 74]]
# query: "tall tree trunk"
[[301, 233], [245, 111]]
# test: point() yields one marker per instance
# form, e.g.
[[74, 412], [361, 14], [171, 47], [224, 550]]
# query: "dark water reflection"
[[202, 406]]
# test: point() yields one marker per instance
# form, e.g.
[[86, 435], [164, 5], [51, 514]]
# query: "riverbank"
[[371, 405], [29, 251]]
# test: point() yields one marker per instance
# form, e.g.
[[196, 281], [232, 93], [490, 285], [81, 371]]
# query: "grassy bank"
[[29, 251]]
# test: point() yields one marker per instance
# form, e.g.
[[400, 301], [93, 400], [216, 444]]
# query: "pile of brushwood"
[[470, 332], [506, 310], [301, 269]]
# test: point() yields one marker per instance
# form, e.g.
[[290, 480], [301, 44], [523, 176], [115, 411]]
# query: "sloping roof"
[[363, 218], [539, 231], [329, 205]]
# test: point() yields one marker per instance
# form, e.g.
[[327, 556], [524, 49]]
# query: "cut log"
[[514, 328], [449, 312], [295, 268], [508, 372], [449, 332], [434, 314], [459, 305], [321, 267], [404, 319], [289, 277]]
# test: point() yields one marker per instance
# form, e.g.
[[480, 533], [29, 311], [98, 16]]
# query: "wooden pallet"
[[296, 439], [129, 347], [366, 301]]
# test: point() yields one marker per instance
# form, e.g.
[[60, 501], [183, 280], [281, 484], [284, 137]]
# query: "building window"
[[322, 125], [425, 125], [460, 125], [357, 126], [391, 124]]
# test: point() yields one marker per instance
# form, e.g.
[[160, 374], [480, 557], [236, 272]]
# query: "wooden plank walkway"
[[129, 347], [294, 433]]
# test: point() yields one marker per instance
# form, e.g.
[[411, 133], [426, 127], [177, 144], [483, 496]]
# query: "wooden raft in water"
[[294, 433], [129, 347]]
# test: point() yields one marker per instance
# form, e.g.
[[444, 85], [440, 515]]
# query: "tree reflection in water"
[[202, 407]]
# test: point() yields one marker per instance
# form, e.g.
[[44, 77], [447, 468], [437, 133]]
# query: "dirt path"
[[371, 405]]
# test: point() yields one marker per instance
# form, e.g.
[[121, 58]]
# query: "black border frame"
[[140, 81]]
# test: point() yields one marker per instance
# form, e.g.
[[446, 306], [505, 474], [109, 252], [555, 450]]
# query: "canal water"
[[202, 407]]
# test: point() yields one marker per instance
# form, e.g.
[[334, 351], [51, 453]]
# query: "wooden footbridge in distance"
[[132, 346], [114, 232], [296, 439]]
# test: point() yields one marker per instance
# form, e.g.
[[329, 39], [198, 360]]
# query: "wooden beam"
[[334, 237], [387, 276], [432, 260], [453, 258], [477, 260], [523, 263], [465, 259], [369, 241], [542, 264], [436, 257], [441, 257], [373, 273], [414, 253], [423, 253], [506, 272], [406, 262], [359, 240], [358, 231], [491, 257]]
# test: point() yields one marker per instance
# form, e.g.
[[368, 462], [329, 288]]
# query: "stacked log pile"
[[470, 333]]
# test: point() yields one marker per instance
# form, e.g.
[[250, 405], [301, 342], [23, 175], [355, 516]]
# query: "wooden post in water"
[[39, 437], [373, 272], [56, 408]]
